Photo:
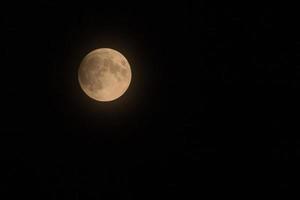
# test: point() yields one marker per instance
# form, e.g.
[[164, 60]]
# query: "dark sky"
[[212, 108]]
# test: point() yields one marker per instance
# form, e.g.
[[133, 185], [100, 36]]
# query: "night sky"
[[213, 106]]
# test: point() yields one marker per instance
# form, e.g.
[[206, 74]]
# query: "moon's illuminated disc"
[[104, 74]]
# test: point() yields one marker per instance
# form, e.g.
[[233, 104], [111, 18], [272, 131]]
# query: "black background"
[[212, 108]]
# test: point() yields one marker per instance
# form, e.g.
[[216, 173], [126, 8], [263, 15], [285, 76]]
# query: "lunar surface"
[[104, 74]]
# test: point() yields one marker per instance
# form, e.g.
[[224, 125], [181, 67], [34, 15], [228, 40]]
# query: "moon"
[[104, 74]]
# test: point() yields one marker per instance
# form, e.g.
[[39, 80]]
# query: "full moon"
[[104, 74]]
